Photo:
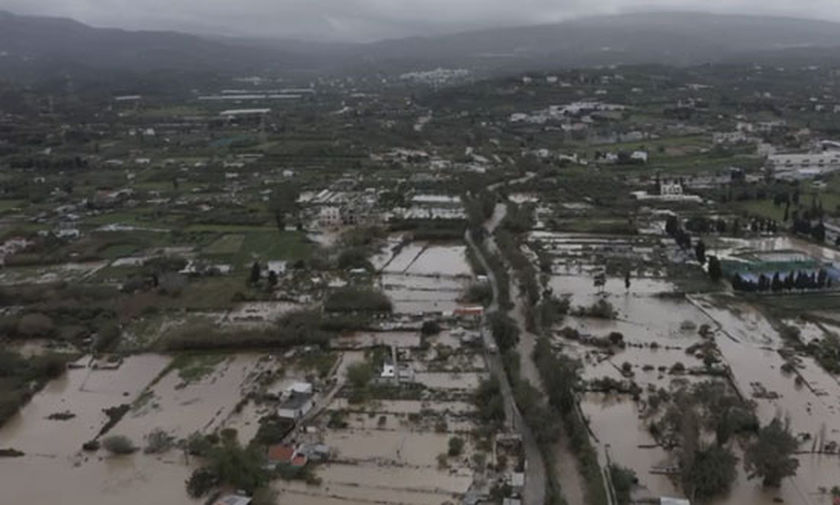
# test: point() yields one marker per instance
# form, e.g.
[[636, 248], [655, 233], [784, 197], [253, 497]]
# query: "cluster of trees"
[[490, 403], [803, 226], [708, 468], [560, 376], [676, 231], [225, 463], [21, 377], [799, 281], [304, 327], [505, 331]]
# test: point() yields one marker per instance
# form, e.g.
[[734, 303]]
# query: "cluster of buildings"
[[584, 112]]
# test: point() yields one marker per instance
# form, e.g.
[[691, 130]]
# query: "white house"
[[295, 406]]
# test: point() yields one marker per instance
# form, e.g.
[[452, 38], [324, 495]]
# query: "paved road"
[[535, 478]]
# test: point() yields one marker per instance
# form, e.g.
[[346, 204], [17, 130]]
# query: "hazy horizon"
[[370, 20]]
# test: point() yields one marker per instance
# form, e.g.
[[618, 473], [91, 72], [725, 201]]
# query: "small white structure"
[[233, 499], [295, 406], [639, 156], [304, 388], [665, 500], [670, 189], [276, 266], [389, 371]]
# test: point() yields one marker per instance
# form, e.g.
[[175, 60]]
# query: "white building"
[[670, 189], [329, 217], [803, 165]]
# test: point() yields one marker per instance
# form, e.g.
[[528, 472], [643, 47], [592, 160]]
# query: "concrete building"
[[801, 166]]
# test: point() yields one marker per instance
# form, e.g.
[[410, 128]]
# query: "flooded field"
[[615, 422], [363, 339], [412, 294], [658, 330], [83, 392], [52, 273], [54, 470], [181, 406], [448, 261]]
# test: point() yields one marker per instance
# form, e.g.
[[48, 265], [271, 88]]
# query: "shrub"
[[430, 328], [158, 441], [456, 446], [201, 482], [36, 325], [356, 299], [119, 445]]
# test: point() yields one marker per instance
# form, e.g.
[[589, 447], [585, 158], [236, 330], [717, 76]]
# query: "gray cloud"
[[375, 19]]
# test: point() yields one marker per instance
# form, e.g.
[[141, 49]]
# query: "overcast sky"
[[363, 20]]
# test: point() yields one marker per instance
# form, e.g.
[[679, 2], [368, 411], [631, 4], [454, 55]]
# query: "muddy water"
[[101, 480], [738, 320], [84, 392], [646, 319], [365, 484], [368, 339], [582, 288], [54, 470], [201, 405], [405, 258], [615, 422], [402, 448], [443, 380], [407, 406], [442, 260], [420, 283], [814, 473]]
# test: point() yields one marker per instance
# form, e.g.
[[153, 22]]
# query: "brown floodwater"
[[615, 421], [202, 405], [84, 392]]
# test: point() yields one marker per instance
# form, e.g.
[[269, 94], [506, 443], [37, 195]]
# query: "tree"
[[504, 330], [283, 202], [700, 252], [715, 272], [272, 278], [201, 482], [770, 456], [711, 473], [256, 273], [623, 480], [238, 467]]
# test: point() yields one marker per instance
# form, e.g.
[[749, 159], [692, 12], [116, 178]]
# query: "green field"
[[226, 244]]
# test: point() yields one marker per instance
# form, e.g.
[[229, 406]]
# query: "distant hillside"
[[40, 47], [668, 38], [32, 46]]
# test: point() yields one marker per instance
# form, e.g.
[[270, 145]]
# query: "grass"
[[7, 205], [226, 244], [274, 245], [211, 293], [115, 251], [194, 367]]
